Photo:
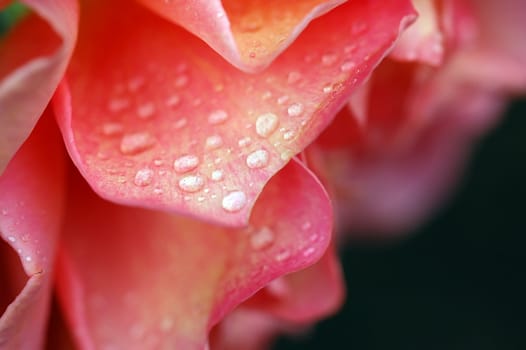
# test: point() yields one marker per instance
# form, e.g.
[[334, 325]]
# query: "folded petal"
[[172, 126], [249, 34], [33, 58], [31, 199], [139, 279]]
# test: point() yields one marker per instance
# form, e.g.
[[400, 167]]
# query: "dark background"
[[456, 283]]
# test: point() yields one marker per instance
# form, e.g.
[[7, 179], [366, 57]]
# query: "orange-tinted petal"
[[172, 126], [250, 34], [139, 279], [33, 58], [31, 198]]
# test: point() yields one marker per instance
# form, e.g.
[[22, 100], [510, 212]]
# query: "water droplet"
[[266, 124], [293, 77], [181, 81], [347, 66], [327, 88], [306, 226], [309, 251], [112, 129], [283, 255], [288, 135], [143, 177], [213, 142], [257, 159], [244, 142], [181, 123], [234, 201], [217, 175], [158, 162], [173, 101], [146, 110], [11, 239], [217, 117], [118, 104], [191, 183], [158, 191], [295, 109], [135, 84], [261, 239], [136, 143], [266, 95], [28, 258], [186, 163], [281, 100], [329, 59]]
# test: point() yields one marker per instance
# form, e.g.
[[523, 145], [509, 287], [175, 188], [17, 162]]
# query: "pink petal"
[[139, 279], [250, 34], [174, 127], [31, 193], [33, 58]]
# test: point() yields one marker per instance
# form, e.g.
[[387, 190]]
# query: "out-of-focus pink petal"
[[423, 41], [31, 199], [250, 34], [175, 127], [33, 58], [140, 279]]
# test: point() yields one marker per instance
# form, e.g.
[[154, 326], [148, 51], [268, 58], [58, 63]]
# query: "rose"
[[103, 278]]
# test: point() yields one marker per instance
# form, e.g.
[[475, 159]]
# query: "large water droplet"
[[266, 124], [257, 159], [234, 201], [295, 110], [186, 163], [261, 239], [136, 143], [143, 177], [191, 183], [213, 142], [217, 117]]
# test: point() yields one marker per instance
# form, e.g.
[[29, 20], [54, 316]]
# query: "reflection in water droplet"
[[191, 183], [295, 109], [213, 142], [217, 117], [136, 143], [266, 124], [143, 177], [234, 201], [186, 163], [257, 159], [261, 239]]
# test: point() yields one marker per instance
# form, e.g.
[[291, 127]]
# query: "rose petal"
[[251, 33], [31, 194], [33, 58], [174, 127], [142, 279]]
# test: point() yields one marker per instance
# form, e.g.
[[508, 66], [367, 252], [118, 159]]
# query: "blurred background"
[[457, 282]]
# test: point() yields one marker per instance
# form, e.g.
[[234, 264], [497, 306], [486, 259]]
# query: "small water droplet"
[[295, 109], [135, 84], [244, 142], [158, 191], [191, 183], [28, 258], [234, 201], [173, 101], [266, 95], [181, 81], [261, 239], [213, 142], [293, 77], [306, 226], [288, 135], [327, 89], [347, 66], [146, 110], [11, 239], [25, 237], [266, 124], [158, 162], [118, 104], [257, 159], [282, 255], [217, 175], [112, 129], [181, 123], [217, 117], [186, 163], [309, 251], [281, 100], [136, 143], [143, 177], [329, 59]]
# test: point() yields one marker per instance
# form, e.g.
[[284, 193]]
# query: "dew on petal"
[[257, 159], [118, 104], [347, 66], [295, 109], [181, 123], [282, 99], [146, 110], [186, 163], [309, 251], [191, 183], [262, 239], [244, 142], [28, 258], [282, 255], [213, 142], [173, 101], [266, 124], [293, 77], [217, 117], [234, 201], [217, 175], [143, 177], [136, 143], [112, 129], [329, 59], [135, 84], [181, 81], [11, 239], [306, 226], [288, 135]]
